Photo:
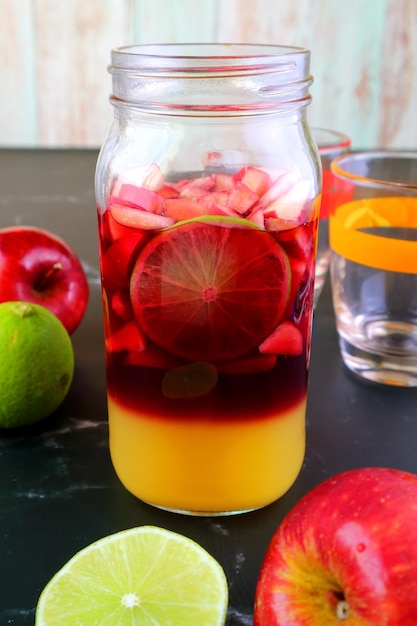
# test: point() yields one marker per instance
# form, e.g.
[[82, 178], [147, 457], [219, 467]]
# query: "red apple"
[[37, 266], [345, 554]]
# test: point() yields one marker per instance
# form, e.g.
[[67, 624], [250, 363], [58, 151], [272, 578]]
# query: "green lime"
[[36, 364], [210, 290], [144, 576]]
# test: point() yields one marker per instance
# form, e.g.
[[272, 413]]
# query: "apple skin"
[[346, 554], [37, 266]]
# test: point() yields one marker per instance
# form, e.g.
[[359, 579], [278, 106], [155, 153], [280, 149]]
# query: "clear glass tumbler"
[[373, 238], [207, 195]]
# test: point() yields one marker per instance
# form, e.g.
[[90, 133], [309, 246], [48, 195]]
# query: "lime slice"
[[145, 576], [365, 217], [210, 290]]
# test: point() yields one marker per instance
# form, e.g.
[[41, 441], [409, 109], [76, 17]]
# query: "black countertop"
[[58, 488]]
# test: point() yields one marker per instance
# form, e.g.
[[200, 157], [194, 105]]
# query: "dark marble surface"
[[58, 489]]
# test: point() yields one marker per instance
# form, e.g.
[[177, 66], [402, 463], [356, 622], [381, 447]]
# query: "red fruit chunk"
[[121, 305], [286, 339], [223, 182], [257, 217], [116, 229], [128, 337], [292, 204], [183, 209], [197, 187], [215, 200], [118, 260], [297, 243], [257, 180], [145, 199], [104, 228], [168, 191], [147, 177], [281, 186], [137, 218], [241, 198]]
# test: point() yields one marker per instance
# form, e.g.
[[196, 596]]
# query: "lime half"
[[145, 576]]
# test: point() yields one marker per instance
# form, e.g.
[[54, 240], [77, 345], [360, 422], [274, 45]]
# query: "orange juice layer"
[[205, 466]]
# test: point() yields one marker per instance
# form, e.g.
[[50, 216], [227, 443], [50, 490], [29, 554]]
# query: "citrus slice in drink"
[[210, 289], [145, 575]]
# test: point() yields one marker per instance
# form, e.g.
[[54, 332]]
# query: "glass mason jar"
[[208, 191]]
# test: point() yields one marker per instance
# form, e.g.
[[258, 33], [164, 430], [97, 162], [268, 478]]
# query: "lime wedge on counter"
[[145, 576]]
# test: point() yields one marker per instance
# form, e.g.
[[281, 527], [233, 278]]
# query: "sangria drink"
[[208, 286]]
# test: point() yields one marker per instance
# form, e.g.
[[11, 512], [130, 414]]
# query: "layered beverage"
[[208, 284]]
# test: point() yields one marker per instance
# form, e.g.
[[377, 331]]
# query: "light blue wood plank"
[[18, 107], [54, 57], [346, 60], [174, 21]]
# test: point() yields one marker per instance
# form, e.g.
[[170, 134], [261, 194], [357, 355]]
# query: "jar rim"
[[215, 50], [214, 77], [355, 168], [214, 57]]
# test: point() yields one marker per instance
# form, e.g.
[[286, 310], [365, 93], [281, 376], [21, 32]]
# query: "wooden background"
[[54, 55]]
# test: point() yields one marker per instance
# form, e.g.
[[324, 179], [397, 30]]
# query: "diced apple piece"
[[292, 204], [216, 209], [256, 179], [241, 198], [117, 230], [105, 232], [277, 224], [298, 270], [285, 340], [147, 176], [112, 230], [139, 197], [183, 209], [298, 243], [137, 218], [250, 365], [117, 261], [128, 337], [168, 191], [214, 199], [257, 217], [198, 187], [279, 188], [223, 182], [121, 305]]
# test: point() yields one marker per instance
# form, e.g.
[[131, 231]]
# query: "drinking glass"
[[331, 144], [373, 238]]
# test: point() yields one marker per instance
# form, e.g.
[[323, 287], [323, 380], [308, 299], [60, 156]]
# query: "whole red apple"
[[345, 554], [37, 266]]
